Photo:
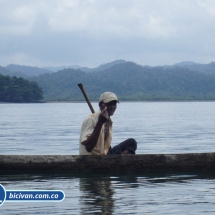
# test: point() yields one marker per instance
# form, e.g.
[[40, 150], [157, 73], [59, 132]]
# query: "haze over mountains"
[[28, 71], [182, 81]]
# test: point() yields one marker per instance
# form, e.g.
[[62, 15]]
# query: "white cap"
[[108, 97]]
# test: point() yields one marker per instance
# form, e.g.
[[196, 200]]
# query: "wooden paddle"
[[86, 97]]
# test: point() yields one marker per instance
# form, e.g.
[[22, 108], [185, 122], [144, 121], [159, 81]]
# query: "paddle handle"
[[86, 97]]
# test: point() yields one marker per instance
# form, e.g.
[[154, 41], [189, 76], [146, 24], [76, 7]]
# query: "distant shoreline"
[[97, 101]]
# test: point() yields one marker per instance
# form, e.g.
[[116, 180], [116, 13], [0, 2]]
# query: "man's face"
[[111, 107]]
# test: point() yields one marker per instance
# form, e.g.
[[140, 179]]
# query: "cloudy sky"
[[92, 32]]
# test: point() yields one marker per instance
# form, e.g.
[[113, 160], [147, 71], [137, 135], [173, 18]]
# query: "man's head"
[[108, 100]]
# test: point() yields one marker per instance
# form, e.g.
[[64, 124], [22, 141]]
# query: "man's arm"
[[93, 138]]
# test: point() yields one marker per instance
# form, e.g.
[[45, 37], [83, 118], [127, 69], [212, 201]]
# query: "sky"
[[92, 32]]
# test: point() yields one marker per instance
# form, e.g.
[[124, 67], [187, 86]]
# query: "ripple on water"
[[118, 194]]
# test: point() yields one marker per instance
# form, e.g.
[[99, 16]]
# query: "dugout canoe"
[[110, 163]]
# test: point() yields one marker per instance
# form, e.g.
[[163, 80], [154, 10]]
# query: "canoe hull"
[[110, 163]]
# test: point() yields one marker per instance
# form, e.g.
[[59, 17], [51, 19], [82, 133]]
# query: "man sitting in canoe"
[[96, 131]]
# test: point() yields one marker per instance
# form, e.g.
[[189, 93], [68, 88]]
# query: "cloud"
[[91, 32]]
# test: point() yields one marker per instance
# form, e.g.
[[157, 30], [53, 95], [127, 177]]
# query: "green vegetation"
[[13, 89], [130, 82], [183, 81]]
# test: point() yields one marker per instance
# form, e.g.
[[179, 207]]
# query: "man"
[[96, 131]]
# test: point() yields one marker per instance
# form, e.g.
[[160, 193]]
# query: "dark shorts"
[[129, 144]]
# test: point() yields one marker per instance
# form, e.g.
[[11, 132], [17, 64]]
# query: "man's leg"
[[128, 146]]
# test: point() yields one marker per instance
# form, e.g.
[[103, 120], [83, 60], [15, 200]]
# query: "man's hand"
[[103, 116]]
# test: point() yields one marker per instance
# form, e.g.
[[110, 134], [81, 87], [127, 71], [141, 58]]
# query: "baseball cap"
[[108, 97]]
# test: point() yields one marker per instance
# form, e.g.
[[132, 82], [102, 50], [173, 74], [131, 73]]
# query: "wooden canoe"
[[108, 163]]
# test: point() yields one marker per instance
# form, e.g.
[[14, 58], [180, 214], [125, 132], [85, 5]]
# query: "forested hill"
[[13, 89], [203, 68], [130, 82]]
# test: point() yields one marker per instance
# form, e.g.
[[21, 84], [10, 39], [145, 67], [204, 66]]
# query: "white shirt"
[[102, 146]]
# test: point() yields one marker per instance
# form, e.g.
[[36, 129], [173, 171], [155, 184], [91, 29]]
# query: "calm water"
[[158, 127]]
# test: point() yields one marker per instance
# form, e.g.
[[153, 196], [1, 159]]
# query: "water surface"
[[158, 127]]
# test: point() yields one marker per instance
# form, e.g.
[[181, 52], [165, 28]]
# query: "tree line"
[[13, 89], [130, 82]]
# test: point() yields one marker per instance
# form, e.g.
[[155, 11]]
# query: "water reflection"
[[97, 193], [128, 193], [96, 196]]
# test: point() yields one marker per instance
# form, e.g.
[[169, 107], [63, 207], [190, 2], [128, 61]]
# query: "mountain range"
[[28, 71], [130, 81]]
